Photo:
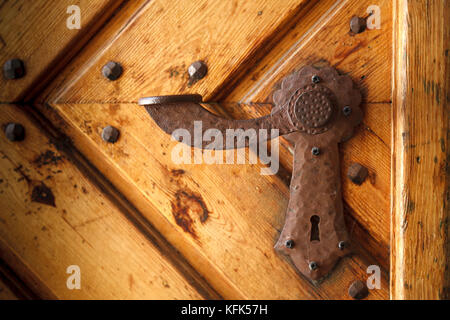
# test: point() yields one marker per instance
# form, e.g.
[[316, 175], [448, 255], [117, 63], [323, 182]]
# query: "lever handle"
[[316, 109], [171, 116]]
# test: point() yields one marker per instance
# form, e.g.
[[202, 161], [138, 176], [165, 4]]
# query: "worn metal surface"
[[14, 132], [357, 173], [112, 70], [357, 24], [173, 116], [312, 108], [110, 134], [197, 70], [358, 290], [13, 69], [196, 98]]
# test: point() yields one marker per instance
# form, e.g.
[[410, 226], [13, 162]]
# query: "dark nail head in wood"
[[357, 173], [358, 290]]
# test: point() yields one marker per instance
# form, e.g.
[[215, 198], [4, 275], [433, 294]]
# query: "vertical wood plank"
[[419, 232]]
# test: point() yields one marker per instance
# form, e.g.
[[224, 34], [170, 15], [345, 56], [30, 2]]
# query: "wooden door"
[[139, 226]]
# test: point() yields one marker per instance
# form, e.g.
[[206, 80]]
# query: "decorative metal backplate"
[[316, 109]]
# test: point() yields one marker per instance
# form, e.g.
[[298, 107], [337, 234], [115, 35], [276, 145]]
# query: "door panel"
[[149, 177], [199, 231], [52, 217], [366, 58], [245, 209], [162, 38], [218, 217]]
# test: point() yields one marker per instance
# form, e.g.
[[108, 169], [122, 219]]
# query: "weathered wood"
[[157, 43], [420, 154], [52, 217], [37, 32]]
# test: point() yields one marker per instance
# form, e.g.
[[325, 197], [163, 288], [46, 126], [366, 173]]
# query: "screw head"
[[197, 70], [110, 134], [357, 24], [112, 70], [342, 245], [289, 244], [315, 151], [315, 79], [313, 265], [358, 290], [14, 132], [357, 173], [13, 69], [347, 110]]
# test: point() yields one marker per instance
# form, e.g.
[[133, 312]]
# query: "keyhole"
[[315, 228]]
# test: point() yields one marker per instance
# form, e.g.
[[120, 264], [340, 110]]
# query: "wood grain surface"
[[245, 210], [36, 32], [420, 229], [52, 217], [139, 164], [141, 226], [158, 42]]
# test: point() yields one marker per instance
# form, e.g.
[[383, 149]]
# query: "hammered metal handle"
[[171, 116], [316, 109]]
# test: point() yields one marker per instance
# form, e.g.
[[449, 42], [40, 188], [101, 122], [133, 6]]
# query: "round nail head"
[[315, 151], [342, 245], [14, 132], [110, 134], [289, 244], [357, 24], [112, 70], [315, 79], [13, 69], [197, 70], [347, 110], [358, 290], [357, 173], [313, 265]]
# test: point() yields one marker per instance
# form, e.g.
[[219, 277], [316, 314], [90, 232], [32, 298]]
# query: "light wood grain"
[[161, 39], [83, 228], [420, 252], [36, 32]]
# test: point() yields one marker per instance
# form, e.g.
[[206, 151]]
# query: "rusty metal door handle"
[[316, 109]]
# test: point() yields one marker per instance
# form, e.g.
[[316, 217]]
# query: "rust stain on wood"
[[187, 208], [46, 158]]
